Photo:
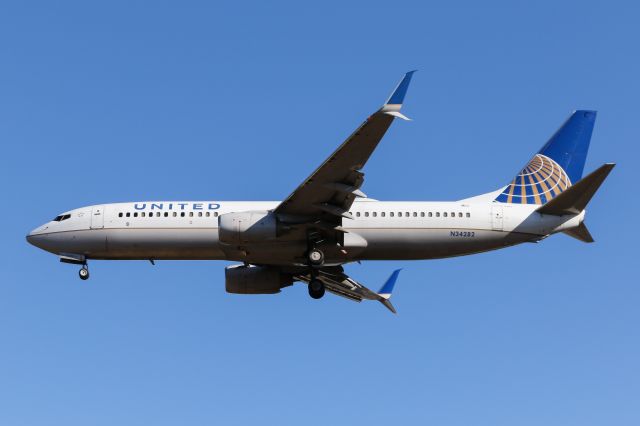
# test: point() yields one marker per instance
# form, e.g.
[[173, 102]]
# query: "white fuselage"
[[378, 231]]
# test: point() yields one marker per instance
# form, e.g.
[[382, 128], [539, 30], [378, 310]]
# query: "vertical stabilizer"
[[557, 166]]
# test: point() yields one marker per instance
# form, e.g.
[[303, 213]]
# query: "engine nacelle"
[[250, 279], [246, 227]]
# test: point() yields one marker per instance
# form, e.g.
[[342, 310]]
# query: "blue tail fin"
[[557, 166]]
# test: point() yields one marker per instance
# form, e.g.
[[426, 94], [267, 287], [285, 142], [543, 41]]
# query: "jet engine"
[[246, 227], [250, 279]]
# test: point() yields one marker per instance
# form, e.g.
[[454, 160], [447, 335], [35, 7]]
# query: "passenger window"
[[374, 214], [143, 214], [444, 214], [430, 214], [357, 214], [175, 214], [166, 214], [215, 214], [135, 214], [415, 214], [437, 214], [128, 214], [406, 214], [421, 214], [382, 214], [119, 215], [190, 214], [391, 214], [157, 214], [366, 214], [459, 214], [199, 214], [453, 214], [468, 214], [181, 214], [207, 214]]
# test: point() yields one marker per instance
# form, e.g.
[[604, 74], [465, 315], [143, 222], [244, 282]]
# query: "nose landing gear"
[[84, 272]]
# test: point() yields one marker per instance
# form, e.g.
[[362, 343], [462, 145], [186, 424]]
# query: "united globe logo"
[[540, 181]]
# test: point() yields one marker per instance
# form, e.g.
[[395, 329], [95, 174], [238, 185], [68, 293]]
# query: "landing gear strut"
[[84, 272], [315, 257], [316, 289]]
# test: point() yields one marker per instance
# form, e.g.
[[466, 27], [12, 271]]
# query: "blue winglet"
[[387, 288], [397, 97]]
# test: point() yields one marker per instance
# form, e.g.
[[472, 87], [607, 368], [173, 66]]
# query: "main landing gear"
[[315, 257], [316, 288], [84, 272], [315, 260]]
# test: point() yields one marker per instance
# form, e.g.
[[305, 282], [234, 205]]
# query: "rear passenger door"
[[497, 218]]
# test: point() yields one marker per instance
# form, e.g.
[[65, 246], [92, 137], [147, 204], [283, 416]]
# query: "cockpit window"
[[61, 217]]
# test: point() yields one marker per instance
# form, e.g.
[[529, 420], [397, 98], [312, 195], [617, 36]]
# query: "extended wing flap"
[[340, 284]]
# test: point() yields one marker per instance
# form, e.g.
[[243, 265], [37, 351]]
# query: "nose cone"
[[37, 237]]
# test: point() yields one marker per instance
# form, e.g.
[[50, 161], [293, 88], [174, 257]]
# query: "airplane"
[[328, 222]]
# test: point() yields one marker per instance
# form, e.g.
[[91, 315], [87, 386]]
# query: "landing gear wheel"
[[316, 257], [316, 289], [84, 273]]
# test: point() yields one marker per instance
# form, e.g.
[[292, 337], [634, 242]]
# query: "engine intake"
[[250, 279], [246, 227]]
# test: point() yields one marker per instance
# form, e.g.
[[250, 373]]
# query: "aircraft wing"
[[331, 189], [339, 283]]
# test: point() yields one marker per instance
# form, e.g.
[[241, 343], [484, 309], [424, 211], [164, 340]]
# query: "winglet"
[[394, 103], [387, 289], [384, 294]]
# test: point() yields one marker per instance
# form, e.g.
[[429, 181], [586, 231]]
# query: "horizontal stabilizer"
[[580, 233], [574, 199]]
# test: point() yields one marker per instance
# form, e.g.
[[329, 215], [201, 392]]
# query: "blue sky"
[[124, 101]]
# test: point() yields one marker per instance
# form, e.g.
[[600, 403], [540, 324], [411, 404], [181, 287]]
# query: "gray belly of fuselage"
[[434, 243], [203, 244], [140, 243]]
